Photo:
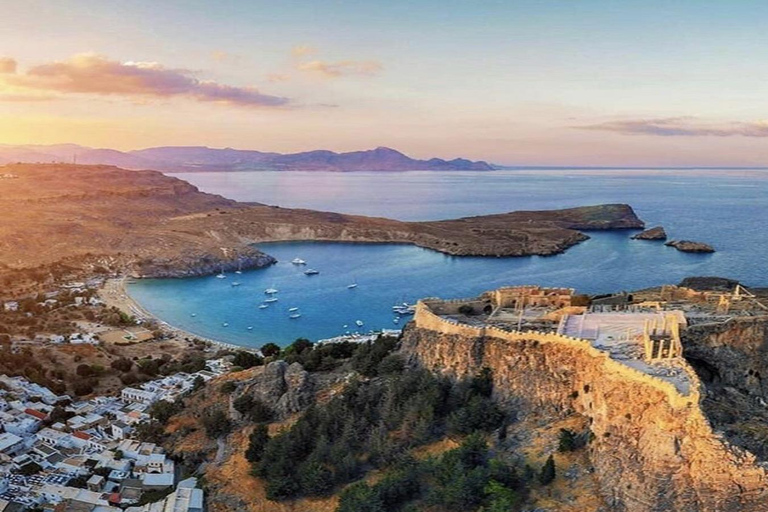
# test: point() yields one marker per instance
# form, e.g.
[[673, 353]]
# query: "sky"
[[571, 83]]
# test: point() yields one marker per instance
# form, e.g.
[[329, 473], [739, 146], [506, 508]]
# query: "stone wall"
[[654, 449]]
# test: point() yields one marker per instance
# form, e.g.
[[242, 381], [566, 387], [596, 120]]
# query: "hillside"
[[200, 158], [149, 224]]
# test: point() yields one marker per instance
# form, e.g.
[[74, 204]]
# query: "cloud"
[[682, 127], [303, 50], [96, 74], [278, 77], [7, 65], [341, 68]]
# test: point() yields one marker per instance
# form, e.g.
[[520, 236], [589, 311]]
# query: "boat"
[[291, 310], [353, 285], [271, 299], [344, 326], [295, 316], [359, 323], [311, 272], [271, 290], [263, 306], [225, 324], [250, 327], [221, 274], [396, 320], [235, 283], [193, 314], [298, 261]]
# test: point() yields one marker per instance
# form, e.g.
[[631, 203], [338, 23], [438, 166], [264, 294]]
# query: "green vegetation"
[[371, 425]]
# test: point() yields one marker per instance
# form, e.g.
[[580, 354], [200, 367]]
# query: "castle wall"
[[654, 449]]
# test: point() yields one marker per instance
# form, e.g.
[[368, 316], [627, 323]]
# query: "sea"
[[727, 208]]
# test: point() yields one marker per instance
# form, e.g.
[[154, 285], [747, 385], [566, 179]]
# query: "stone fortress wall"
[[654, 450]]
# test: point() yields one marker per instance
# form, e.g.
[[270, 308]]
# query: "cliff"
[[653, 449]]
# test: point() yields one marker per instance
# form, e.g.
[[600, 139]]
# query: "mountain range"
[[201, 158]]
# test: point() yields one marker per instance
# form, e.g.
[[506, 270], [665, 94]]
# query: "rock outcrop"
[[690, 246], [655, 233], [653, 449], [287, 388], [194, 263]]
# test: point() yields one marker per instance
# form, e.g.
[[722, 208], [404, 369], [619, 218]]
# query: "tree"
[[547, 474], [567, 441], [84, 370], [123, 364], [270, 350], [252, 408], [257, 441], [246, 360], [216, 423]]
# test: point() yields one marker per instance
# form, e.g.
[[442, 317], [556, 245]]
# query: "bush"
[[547, 474], [216, 423], [257, 441], [228, 387], [123, 364], [252, 408]]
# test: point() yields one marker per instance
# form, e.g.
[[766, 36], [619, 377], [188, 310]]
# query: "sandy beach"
[[114, 294]]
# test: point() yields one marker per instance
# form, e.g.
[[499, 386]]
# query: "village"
[[63, 454]]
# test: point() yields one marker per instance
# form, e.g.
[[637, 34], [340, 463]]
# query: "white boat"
[[291, 310], [311, 272], [263, 306], [352, 286], [193, 314], [271, 299], [344, 326], [359, 323], [250, 327], [271, 291], [221, 276], [295, 316], [235, 283], [298, 261], [225, 324], [396, 320]]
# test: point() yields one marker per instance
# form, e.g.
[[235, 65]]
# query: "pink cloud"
[[96, 74], [341, 68], [7, 65]]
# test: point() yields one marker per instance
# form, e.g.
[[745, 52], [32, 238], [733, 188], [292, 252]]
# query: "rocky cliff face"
[[193, 263], [650, 453]]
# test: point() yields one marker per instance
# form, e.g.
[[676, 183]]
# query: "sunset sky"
[[513, 82]]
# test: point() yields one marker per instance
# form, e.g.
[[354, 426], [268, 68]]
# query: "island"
[[654, 233], [690, 246]]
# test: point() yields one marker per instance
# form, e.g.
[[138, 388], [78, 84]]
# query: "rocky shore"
[[195, 264]]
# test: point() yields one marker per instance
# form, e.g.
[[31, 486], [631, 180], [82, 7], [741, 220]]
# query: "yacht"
[[263, 306], [298, 261], [270, 300], [250, 327], [353, 285], [225, 324], [272, 290], [193, 314], [235, 283], [396, 320], [291, 310], [295, 316], [359, 323], [311, 272], [221, 275]]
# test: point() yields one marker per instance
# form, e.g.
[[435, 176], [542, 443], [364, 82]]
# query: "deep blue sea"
[[726, 208]]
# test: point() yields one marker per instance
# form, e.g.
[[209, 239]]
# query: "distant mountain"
[[201, 158]]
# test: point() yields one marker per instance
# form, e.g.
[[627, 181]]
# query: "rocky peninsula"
[[105, 219]]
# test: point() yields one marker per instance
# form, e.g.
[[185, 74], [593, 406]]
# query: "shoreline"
[[114, 293]]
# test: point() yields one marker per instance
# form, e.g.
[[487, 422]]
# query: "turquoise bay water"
[[724, 208]]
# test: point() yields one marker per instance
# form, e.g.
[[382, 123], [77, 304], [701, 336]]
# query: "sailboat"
[[221, 274], [239, 267], [353, 285]]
